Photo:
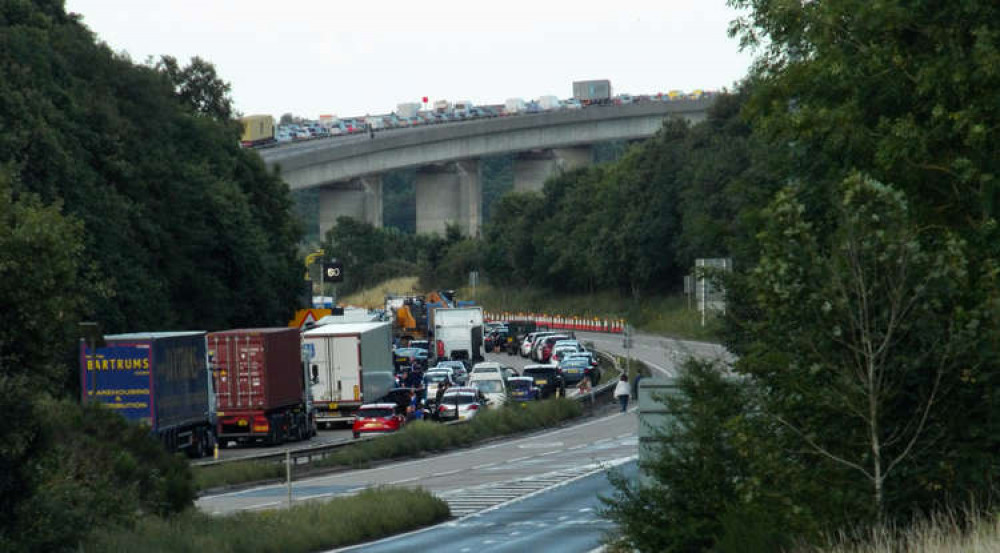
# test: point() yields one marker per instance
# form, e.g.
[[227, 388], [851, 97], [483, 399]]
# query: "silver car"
[[460, 404]]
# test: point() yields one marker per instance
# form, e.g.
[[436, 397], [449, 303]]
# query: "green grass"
[[943, 533], [665, 315], [428, 437], [226, 474], [369, 515]]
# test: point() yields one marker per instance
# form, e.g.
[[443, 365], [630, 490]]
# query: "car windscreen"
[[521, 384], [539, 372], [374, 413], [489, 386], [574, 364], [482, 370], [435, 377], [460, 399]]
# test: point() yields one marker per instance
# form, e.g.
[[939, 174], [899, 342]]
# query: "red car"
[[377, 417]]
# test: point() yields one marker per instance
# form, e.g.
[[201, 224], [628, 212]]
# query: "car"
[[572, 103], [461, 403], [558, 351], [434, 378], [591, 359], [400, 397], [547, 378], [422, 344], [459, 373], [575, 370], [491, 385], [522, 388], [536, 345], [405, 357], [544, 349], [377, 418]]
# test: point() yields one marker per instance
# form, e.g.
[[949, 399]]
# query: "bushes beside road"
[[369, 515]]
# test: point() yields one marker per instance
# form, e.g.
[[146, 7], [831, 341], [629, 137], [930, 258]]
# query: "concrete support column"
[[568, 159], [449, 193], [470, 196], [359, 198], [532, 168]]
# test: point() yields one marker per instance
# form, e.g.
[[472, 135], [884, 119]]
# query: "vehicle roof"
[[485, 376], [445, 370], [520, 379], [462, 389], [486, 364], [344, 328], [378, 406], [153, 335], [552, 367]]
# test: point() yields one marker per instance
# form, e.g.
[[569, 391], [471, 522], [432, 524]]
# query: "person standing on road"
[[635, 386], [622, 391]]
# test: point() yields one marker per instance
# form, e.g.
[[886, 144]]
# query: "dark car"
[[405, 357], [400, 397], [546, 378], [522, 388]]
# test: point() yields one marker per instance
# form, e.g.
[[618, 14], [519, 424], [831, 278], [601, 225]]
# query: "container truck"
[[458, 333], [407, 110], [257, 130], [349, 364], [513, 106], [159, 379], [261, 391], [592, 92]]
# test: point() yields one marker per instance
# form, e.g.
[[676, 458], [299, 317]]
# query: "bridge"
[[348, 169]]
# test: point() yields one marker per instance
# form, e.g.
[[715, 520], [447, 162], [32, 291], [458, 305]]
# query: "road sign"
[[333, 272]]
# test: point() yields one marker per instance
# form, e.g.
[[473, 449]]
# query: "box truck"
[[261, 388], [458, 333], [349, 364], [159, 379], [592, 92]]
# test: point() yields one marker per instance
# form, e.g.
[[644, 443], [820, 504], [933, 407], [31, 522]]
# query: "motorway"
[[537, 491]]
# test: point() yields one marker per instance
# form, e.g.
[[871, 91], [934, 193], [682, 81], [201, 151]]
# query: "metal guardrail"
[[307, 454]]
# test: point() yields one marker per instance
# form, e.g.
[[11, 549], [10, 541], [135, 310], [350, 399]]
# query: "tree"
[[199, 87], [859, 330]]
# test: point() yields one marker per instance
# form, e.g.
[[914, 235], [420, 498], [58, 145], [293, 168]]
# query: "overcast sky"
[[357, 57]]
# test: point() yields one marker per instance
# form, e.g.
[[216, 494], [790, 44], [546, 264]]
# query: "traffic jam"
[[457, 389]]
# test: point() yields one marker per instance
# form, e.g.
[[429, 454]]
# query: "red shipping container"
[[256, 368]]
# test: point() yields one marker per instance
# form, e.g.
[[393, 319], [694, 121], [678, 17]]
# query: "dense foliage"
[[124, 199]]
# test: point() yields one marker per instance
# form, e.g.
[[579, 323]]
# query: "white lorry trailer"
[[349, 364], [458, 333]]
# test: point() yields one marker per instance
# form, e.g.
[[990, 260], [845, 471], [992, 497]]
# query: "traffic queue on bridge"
[[196, 390]]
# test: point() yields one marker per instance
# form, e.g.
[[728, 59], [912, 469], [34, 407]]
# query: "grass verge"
[[943, 533], [369, 515], [666, 315], [374, 298], [414, 439]]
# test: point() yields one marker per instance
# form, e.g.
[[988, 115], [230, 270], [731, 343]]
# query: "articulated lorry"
[[261, 388], [458, 333], [349, 364], [159, 379]]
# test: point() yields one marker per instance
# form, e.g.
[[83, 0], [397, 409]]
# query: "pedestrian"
[[635, 386], [622, 391]]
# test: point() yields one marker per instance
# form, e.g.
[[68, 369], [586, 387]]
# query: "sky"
[[358, 57]]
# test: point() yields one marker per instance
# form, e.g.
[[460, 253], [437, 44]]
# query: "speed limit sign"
[[333, 272]]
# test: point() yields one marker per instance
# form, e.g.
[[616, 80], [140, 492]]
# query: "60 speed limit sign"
[[333, 272]]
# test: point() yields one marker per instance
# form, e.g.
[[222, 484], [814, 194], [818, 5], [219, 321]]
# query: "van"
[[492, 385]]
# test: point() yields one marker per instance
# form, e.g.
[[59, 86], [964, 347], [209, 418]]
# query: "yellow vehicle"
[[257, 130]]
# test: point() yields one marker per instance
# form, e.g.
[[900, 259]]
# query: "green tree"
[[199, 86], [859, 335]]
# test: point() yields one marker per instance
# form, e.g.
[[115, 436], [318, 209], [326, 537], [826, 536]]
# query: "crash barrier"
[[306, 454], [560, 322]]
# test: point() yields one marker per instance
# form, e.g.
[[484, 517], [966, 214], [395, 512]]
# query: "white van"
[[491, 385]]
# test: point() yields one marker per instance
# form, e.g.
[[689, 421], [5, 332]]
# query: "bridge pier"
[[359, 198], [532, 168], [449, 193]]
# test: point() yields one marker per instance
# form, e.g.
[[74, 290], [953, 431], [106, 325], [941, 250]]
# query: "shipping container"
[[513, 106], [260, 385], [349, 364], [549, 103], [592, 92], [407, 110], [159, 379], [257, 130]]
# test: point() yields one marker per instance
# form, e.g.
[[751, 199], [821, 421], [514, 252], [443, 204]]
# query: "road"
[[565, 518]]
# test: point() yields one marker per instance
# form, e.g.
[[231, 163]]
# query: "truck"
[[349, 364], [407, 110], [463, 108], [157, 379], [549, 103], [592, 92], [442, 106], [458, 333], [261, 391], [257, 130], [513, 106]]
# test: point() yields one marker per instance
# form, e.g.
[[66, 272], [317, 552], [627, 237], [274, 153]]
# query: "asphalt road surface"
[[564, 518]]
